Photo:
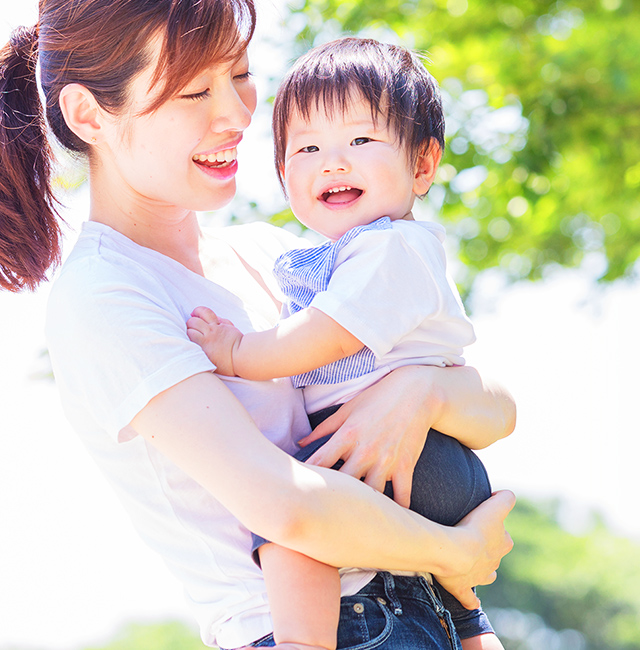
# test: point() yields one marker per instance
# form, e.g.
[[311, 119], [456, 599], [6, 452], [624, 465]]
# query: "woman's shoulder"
[[100, 269], [102, 256]]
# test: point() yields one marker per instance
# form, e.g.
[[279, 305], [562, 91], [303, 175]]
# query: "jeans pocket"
[[365, 623]]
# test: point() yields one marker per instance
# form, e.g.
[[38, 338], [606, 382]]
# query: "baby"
[[359, 133]]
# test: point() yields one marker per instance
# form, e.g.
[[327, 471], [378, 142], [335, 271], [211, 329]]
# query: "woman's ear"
[[426, 168], [81, 112]]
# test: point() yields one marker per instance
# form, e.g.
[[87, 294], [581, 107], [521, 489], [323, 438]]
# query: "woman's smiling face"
[[342, 171], [184, 153]]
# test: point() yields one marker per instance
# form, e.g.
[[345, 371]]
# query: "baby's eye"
[[310, 149], [358, 141]]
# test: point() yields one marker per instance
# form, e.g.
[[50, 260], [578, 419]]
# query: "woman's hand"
[[380, 433], [486, 542]]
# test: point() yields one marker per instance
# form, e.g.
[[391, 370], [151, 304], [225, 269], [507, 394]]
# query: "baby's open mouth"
[[341, 194]]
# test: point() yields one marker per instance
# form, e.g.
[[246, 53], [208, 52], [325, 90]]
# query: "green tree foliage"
[[586, 583], [542, 104]]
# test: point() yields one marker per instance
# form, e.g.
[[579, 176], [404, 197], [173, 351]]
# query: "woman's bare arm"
[[200, 425]]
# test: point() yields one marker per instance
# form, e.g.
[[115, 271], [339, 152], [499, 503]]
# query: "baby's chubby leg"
[[482, 642], [289, 646], [304, 597], [297, 646]]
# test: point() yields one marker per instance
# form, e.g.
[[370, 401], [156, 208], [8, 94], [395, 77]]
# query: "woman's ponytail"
[[29, 228]]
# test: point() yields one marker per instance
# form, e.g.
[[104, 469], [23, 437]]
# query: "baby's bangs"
[[332, 86], [198, 34]]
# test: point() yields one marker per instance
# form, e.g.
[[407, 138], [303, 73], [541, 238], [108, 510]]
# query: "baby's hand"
[[216, 336]]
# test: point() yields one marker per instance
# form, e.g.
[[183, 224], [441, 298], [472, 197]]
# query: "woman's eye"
[[197, 96], [358, 141], [310, 149], [244, 76]]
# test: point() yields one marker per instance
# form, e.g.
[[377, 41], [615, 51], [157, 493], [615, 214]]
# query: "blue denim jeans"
[[392, 613]]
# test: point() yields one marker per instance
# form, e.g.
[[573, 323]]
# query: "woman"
[[157, 95]]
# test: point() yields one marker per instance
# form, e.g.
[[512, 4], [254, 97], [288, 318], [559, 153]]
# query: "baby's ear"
[[426, 167]]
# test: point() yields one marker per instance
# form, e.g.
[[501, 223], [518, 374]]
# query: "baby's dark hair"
[[390, 78]]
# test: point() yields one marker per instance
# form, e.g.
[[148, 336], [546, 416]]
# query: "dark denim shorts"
[[392, 613]]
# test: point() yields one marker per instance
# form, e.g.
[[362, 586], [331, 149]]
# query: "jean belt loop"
[[390, 591]]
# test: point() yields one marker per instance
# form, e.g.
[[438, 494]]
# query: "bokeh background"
[[538, 191]]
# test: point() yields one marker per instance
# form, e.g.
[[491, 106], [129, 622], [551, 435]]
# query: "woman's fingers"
[[327, 427], [468, 599], [371, 453], [489, 519], [402, 481], [490, 579], [328, 455], [487, 543], [376, 478]]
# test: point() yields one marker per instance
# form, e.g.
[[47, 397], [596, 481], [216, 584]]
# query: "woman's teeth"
[[228, 155]]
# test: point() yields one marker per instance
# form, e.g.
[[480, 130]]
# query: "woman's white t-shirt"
[[117, 337]]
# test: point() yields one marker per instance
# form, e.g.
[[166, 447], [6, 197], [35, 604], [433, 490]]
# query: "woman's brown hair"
[[102, 45]]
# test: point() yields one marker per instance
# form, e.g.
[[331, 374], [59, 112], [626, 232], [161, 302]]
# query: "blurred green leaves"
[[585, 581], [542, 98]]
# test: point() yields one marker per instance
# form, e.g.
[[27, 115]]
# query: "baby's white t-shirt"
[[390, 288]]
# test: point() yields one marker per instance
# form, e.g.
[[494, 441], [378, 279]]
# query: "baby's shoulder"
[[420, 229]]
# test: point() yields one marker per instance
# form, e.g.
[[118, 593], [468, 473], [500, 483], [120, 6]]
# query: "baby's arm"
[[304, 597], [303, 342]]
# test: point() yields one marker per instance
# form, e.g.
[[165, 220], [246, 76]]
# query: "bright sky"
[[71, 567]]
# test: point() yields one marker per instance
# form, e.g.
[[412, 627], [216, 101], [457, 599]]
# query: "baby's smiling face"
[[345, 170]]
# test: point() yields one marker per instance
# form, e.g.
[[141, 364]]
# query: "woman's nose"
[[234, 107]]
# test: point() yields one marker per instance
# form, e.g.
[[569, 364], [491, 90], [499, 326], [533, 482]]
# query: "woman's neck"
[[172, 231]]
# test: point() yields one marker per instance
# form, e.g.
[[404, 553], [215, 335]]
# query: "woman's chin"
[[215, 200]]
